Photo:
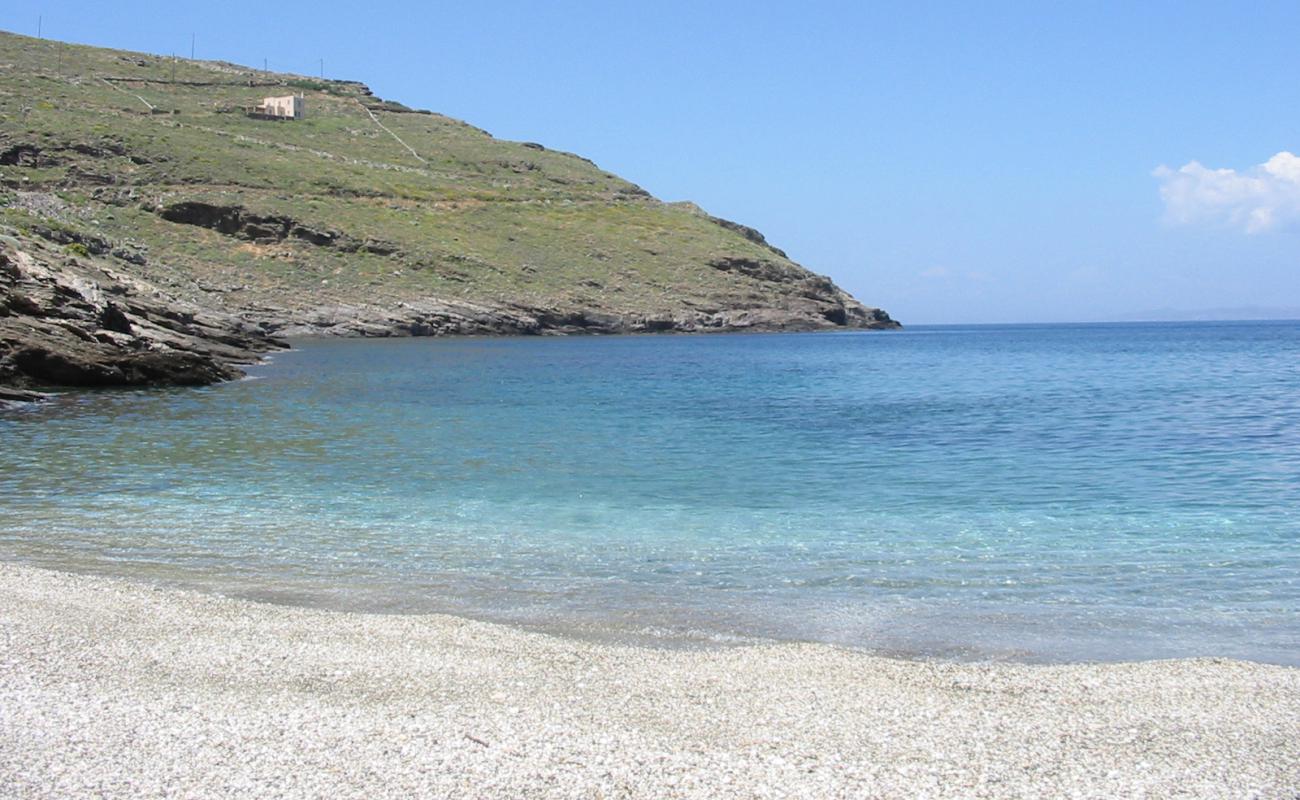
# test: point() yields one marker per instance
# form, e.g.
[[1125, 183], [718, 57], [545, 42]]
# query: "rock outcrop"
[[239, 222], [74, 320]]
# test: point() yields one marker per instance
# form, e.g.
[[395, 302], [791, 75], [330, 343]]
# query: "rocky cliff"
[[153, 232], [69, 318]]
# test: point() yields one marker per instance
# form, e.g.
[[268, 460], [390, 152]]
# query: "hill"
[[138, 176]]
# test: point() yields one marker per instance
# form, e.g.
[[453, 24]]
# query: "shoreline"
[[654, 635], [115, 687]]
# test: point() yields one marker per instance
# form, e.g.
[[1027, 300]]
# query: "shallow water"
[[1028, 492]]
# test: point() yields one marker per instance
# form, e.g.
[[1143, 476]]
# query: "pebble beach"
[[112, 688]]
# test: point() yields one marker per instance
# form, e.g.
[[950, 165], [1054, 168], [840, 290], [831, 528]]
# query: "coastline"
[[119, 689]]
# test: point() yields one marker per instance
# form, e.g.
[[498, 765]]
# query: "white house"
[[291, 106]]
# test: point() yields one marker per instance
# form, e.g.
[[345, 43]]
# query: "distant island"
[[164, 220]]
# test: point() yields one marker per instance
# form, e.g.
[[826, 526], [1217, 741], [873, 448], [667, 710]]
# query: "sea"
[[1035, 493]]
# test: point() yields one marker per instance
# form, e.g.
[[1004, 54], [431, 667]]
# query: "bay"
[[1029, 492]]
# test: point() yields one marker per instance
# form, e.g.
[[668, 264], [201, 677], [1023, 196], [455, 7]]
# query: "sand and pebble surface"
[[110, 688]]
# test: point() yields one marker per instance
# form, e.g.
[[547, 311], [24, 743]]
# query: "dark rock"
[[632, 191], [130, 256], [12, 397], [223, 219], [240, 223], [744, 230], [770, 271], [94, 367], [9, 269], [95, 245], [25, 155], [837, 315], [17, 303], [112, 318], [313, 236], [88, 149]]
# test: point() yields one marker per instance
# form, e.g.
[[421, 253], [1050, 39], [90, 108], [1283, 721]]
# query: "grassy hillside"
[[365, 205]]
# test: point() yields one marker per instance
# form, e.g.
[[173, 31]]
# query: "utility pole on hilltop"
[[191, 47], [322, 69], [39, 21]]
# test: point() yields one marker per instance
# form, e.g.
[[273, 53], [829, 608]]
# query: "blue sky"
[[949, 162]]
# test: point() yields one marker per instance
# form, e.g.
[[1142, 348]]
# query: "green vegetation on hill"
[[364, 205]]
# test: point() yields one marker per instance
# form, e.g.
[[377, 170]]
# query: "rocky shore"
[[116, 689], [152, 233], [69, 318], [73, 314]]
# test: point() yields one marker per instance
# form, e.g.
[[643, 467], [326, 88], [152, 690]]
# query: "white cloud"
[[1259, 199], [936, 273]]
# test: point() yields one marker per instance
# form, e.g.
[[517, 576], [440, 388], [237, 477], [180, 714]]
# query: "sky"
[[949, 162]]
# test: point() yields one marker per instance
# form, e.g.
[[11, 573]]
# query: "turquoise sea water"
[[1029, 492]]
